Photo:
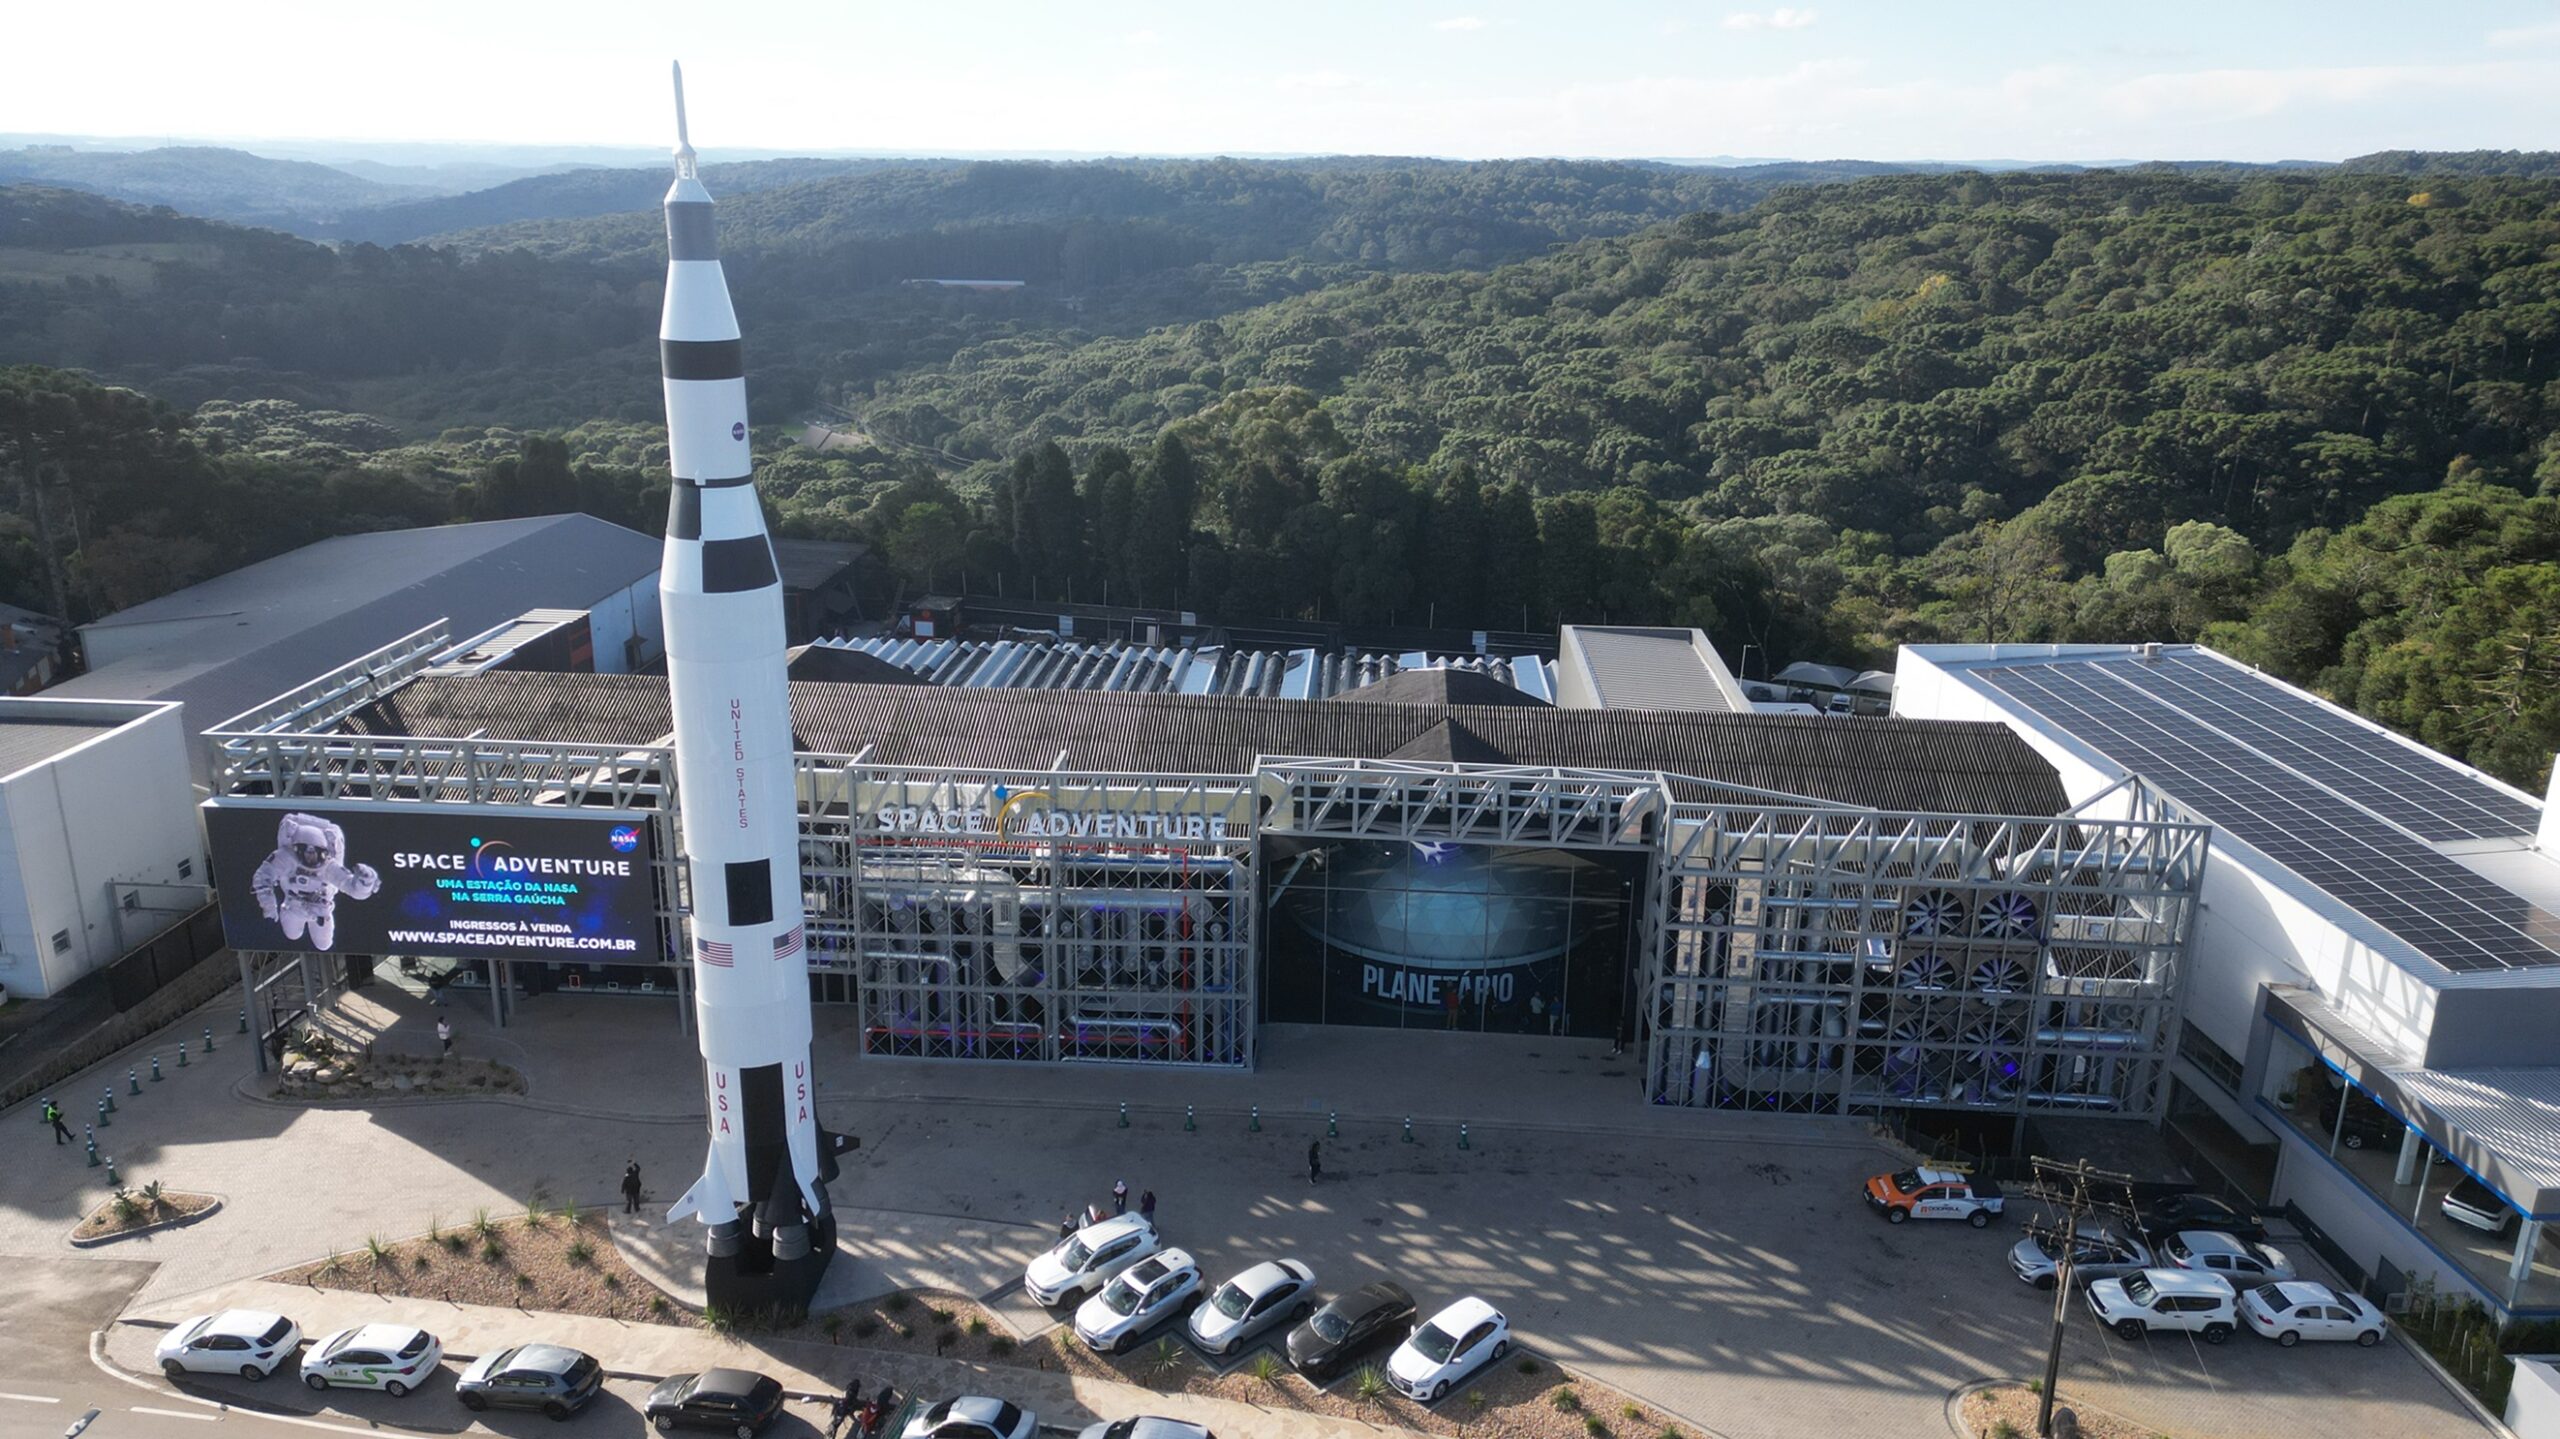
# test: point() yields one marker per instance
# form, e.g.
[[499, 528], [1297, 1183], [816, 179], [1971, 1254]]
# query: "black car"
[[2181, 1212], [2367, 1125], [734, 1400], [556, 1380], [1332, 1335]]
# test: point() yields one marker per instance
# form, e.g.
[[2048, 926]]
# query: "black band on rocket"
[[701, 360], [689, 234], [730, 566]]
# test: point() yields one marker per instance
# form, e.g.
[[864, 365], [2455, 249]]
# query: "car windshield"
[[1433, 1342], [1076, 1255], [2139, 1290], [339, 1345], [2272, 1297], [276, 1331], [1906, 1181], [1331, 1327], [2177, 1249], [416, 1346], [1008, 1418], [1232, 1301], [1121, 1297]]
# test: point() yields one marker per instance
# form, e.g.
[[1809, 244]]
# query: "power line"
[[2067, 1186]]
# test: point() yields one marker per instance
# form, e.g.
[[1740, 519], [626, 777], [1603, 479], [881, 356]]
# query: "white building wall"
[[21, 959], [613, 620], [2533, 1401], [2356, 1221], [116, 809]]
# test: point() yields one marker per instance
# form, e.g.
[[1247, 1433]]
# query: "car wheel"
[[746, 1431], [173, 1368], [396, 1389], [1500, 1348], [2369, 1338], [662, 1424], [2355, 1141], [1436, 1391], [1897, 1216], [1979, 1219], [2128, 1328], [1306, 1310], [555, 1411], [473, 1402], [2216, 1333], [2047, 1281], [2288, 1339], [252, 1373], [315, 1381]]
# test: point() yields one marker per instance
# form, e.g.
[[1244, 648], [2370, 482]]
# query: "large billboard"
[[379, 879]]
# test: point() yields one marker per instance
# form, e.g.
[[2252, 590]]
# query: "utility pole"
[[2065, 1186]]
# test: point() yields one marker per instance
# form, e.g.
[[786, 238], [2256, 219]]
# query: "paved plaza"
[[1721, 1267]]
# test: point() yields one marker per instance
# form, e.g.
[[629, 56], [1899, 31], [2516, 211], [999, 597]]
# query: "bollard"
[[1189, 1120], [1124, 1114], [1408, 1129], [93, 1145], [107, 1097], [1332, 1128], [208, 1039], [182, 1054], [155, 1069], [1256, 1125], [114, 1179], [103, 1121], [133, 1077], [1462, 1135], [244, 1023]]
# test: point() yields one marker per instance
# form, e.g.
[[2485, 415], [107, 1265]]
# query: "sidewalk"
[[652, 1351]]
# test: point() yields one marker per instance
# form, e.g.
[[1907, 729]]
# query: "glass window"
[[2210, 1059]]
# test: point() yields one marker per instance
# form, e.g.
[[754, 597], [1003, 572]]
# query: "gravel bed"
[[104, 1220], [556, 1262]]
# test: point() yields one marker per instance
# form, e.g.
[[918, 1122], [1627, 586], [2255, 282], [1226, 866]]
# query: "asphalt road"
[[49, 1383]]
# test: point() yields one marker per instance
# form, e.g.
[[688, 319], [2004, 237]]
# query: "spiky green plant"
[[1266, 1366], [1565, 1400], [378, 1250], [482, 1226], [580, 1253], [1369, 1386]]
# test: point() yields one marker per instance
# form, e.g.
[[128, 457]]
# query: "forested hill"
[[571, 195], [1380, 212], [203, 180]]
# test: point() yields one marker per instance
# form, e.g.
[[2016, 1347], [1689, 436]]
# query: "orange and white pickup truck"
[[1935, 1194]]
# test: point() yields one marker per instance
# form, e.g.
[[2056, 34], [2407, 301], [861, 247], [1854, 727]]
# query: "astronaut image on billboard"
[[299, 884]]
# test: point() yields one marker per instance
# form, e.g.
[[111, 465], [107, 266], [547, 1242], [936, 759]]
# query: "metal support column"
[[2413, 1146], [249, 998], [497, 994], [2520, 1267]]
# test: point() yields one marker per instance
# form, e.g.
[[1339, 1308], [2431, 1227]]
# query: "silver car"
[[2097, 1252], [1272, 1293], [1145, 1426]]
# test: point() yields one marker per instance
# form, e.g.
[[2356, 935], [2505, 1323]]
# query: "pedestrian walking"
[[847, 1409], [53, 1116], [444, 1035], [1315, 1160], [435, 987], [1147, 1206], [631, 1187], [1119, 1196]]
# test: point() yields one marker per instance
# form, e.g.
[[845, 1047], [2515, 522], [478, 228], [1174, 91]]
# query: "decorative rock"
[[326, 1074]]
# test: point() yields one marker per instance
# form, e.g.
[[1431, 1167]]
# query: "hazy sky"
[[1881, 79]]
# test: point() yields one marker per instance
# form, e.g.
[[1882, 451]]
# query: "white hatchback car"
[[2180, 1299], [1147, 1293], [2235, 1259], [1085, 1260], [1453, 1344], [246, 1342], [1270, 1294], [2291, 1313], [393, 1358]]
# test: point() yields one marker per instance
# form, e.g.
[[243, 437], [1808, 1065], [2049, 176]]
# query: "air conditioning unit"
[[2396, 1302]]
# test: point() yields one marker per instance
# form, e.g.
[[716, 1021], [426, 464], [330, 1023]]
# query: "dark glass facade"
[[1449, 936]]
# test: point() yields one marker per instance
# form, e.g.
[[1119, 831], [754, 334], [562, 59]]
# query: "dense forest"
[[2306, 416]]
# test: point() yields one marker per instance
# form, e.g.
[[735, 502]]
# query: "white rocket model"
[[763, 1187]]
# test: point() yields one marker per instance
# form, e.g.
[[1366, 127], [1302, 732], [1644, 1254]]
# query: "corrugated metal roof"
[[1111, 666], [25, 743], [1633, 668], [1926, 765]]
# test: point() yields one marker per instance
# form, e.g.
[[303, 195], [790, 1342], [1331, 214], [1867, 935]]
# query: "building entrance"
[[1448, 936]]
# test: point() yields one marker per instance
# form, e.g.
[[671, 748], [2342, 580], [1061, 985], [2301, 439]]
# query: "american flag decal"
[[714, 952], [787, 945]]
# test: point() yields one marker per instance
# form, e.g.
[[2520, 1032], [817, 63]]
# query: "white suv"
[[1087, 1260], [2181, 1299]]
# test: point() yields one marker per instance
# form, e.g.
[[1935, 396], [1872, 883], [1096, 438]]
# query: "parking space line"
[[31, 1398], [179, 1414]]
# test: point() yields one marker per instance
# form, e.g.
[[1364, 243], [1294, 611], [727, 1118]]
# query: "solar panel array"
[[2347, 808]]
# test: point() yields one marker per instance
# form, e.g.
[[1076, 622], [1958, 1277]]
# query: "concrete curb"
[[1955, 1406], [181, 1222], [2462, 1394]]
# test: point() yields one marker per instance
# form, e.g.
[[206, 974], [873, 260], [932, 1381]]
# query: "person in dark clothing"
[[631, 1187], [847, 1408], [1315, 1160], [444, 1036], [1147, 1206], [882, 1408], [53, 1116], [1067, 1227], [1119, 1196]]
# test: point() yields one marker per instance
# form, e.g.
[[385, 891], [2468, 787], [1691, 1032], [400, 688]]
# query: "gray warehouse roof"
[[1928, 765], [1625, 667], [238, 639]]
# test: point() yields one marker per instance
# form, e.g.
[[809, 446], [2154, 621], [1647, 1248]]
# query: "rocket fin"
[[807, 1173], [709, 1196]]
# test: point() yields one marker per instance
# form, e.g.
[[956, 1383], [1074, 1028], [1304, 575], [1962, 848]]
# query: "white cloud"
[[2523, 37], [1318, 80], [1785, 17], [1141, 37], [1461, 22]]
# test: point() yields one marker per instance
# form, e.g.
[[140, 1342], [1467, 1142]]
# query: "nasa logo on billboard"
[[624, 839]]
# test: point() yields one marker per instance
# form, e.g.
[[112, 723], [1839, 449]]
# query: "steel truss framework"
[[1799, 957]]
